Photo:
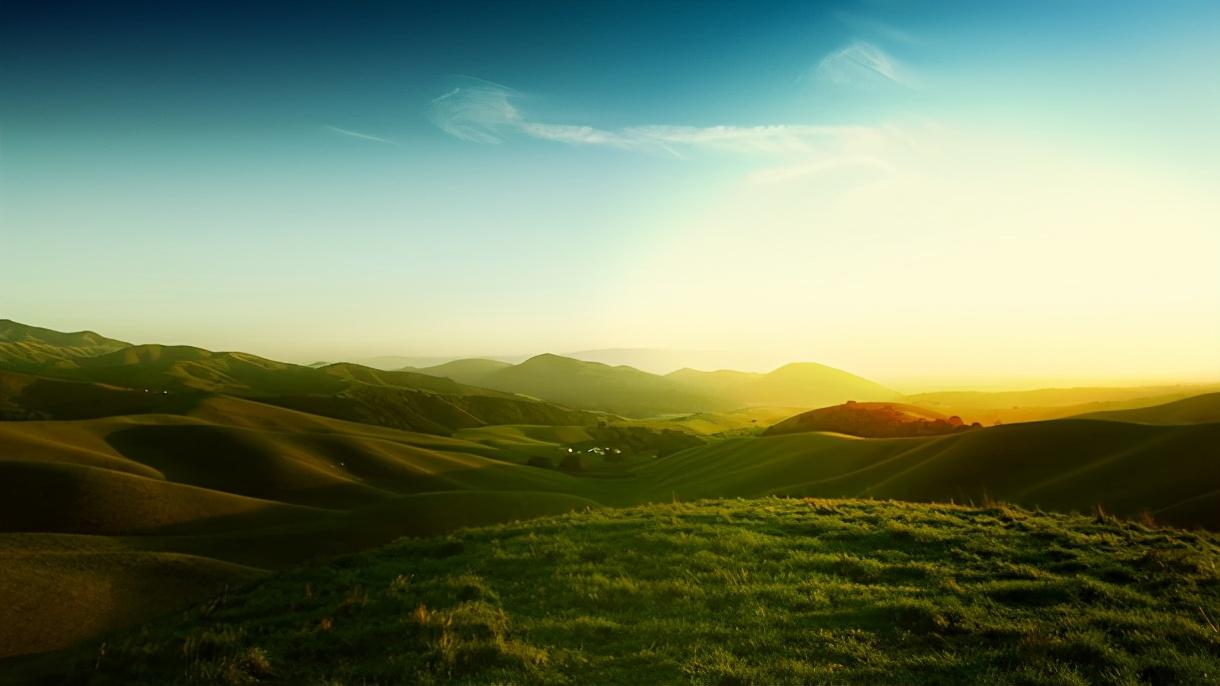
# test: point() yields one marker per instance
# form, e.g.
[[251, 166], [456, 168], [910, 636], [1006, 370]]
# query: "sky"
[[929, 194]]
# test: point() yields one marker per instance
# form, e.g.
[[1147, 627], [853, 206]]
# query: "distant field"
[[721, 592]]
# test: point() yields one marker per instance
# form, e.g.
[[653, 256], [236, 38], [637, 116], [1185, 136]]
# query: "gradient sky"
[[924, 193]]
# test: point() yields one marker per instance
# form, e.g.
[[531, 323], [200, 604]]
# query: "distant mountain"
[[871, 420], [62, 383], [630, 391], [1200, 409], [800, 384], [595, 386], [29, 347], [472, 371], [410, 362]]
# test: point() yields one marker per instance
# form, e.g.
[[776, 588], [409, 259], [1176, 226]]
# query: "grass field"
[[717, 592], [237, 487]]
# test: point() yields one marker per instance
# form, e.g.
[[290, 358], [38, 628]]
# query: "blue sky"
[[320, 180]]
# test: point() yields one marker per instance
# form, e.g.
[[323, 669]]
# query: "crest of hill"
[[187, 368], [29, 347], [870, 420], [1200, 409], [595, 386]]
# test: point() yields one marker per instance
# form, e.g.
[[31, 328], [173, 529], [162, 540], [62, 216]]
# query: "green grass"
[[715, 592], [243, 483], [1168, 472]]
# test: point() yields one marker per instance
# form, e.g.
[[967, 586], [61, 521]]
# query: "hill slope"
[[237, 487], [1200, 409], [1063, 465], [83, 375], [25, 347], [770, 591], [870, 420]]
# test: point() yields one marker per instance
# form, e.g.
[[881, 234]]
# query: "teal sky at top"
[[265, 176]]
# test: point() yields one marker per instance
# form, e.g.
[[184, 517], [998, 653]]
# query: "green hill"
[[1065, 465], [125, 379], [870, 420], [250, 484], [718, 592], [24, 347], [1200, 409], [233, 485]]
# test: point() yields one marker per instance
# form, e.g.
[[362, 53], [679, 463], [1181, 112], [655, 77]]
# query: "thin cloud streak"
[[361, 136], [862, 64], [483, 112]]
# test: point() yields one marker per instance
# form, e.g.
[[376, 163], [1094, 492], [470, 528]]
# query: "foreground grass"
[[716, 592]]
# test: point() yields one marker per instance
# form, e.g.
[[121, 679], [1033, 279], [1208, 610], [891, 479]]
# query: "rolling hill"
[[1200, 409], [145, 461], [24, 347], [471, 371], [231, 489], [1168, 472], [724, 592], [66, 382], [870, 420], [243, 487]]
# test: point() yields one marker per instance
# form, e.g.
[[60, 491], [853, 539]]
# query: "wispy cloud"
[[361, 136], [484, 112], [863, 64]]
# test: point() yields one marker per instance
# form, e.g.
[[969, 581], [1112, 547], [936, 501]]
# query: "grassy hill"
[[724, 592], [82, 375], [25, 347], [870, 420], [1065, 465], [1200, 409], [237, 482], [242, 486]]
